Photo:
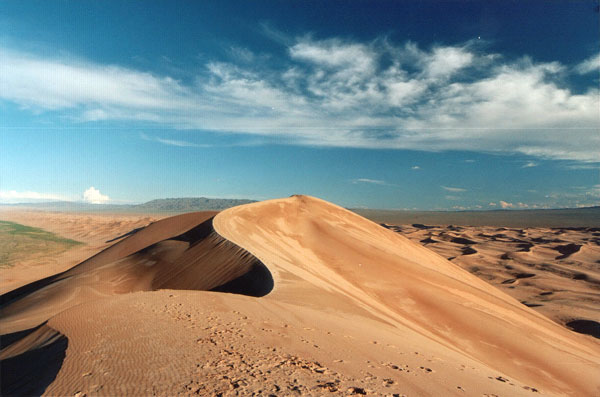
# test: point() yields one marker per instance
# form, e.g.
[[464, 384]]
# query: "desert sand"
[[282, 297], [93, 230], [553, 270]]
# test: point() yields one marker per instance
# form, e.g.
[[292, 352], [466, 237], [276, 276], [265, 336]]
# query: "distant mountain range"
[[185, 204]]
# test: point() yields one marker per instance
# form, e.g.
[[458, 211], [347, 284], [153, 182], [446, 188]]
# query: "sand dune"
[[92, 229], [326, 302], [180, 252], [333, 251], [527, 264]]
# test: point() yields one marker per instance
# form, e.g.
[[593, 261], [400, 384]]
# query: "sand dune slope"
[[553, 271], [315, 250], [181, 252], [96, 231]]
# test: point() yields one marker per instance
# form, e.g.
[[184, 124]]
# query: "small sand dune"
[[326, 302], [91, 229], [182, 252]]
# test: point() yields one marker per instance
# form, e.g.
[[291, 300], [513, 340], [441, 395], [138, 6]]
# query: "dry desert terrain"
[[298, 296]]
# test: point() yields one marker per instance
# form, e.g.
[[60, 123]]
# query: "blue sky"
[[407, 105]]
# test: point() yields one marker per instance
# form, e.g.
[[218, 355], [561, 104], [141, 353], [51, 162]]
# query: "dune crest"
[[315, 249]]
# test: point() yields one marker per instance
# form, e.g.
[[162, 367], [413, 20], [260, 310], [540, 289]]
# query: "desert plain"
[[298, 296]]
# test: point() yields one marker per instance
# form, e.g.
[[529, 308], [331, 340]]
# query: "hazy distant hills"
[[185, 204], [556, 218], [190, 204]]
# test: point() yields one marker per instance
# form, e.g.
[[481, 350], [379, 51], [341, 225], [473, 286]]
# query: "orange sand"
[[350, 308]]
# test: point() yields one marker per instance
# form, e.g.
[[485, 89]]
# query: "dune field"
[[553, 270], [298, 296]]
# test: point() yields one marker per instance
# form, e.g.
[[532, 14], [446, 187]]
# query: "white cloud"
[[415, 167], [530, 164], [336, 55], [93, 196], [13, 196], [171, 142], [454, 189], [445, 61], [592, 64], [492, 204], [335, 92], [65, 83], [371, 181], [505, 204]]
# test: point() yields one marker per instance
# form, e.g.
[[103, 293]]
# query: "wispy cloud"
[[453, 189], [172, 142], [370, 181], [415, 167], [13, 196], [530, 164], [592, 64], [582, 166], [335, 92]]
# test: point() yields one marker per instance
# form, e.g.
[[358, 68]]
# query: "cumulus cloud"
[[93, 196], [454, 189], [336, 92], [505, 204], [492, 204]]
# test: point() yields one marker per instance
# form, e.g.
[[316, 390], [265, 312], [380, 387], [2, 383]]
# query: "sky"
[[398, 105]]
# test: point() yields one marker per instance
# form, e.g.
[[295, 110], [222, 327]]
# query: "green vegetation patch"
[[20, 243]]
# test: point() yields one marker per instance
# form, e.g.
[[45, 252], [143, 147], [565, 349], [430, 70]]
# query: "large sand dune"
[[333, 304]]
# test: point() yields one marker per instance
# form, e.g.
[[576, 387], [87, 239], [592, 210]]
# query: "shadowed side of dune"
[[183, 252], [29, 365], [257, 282]]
